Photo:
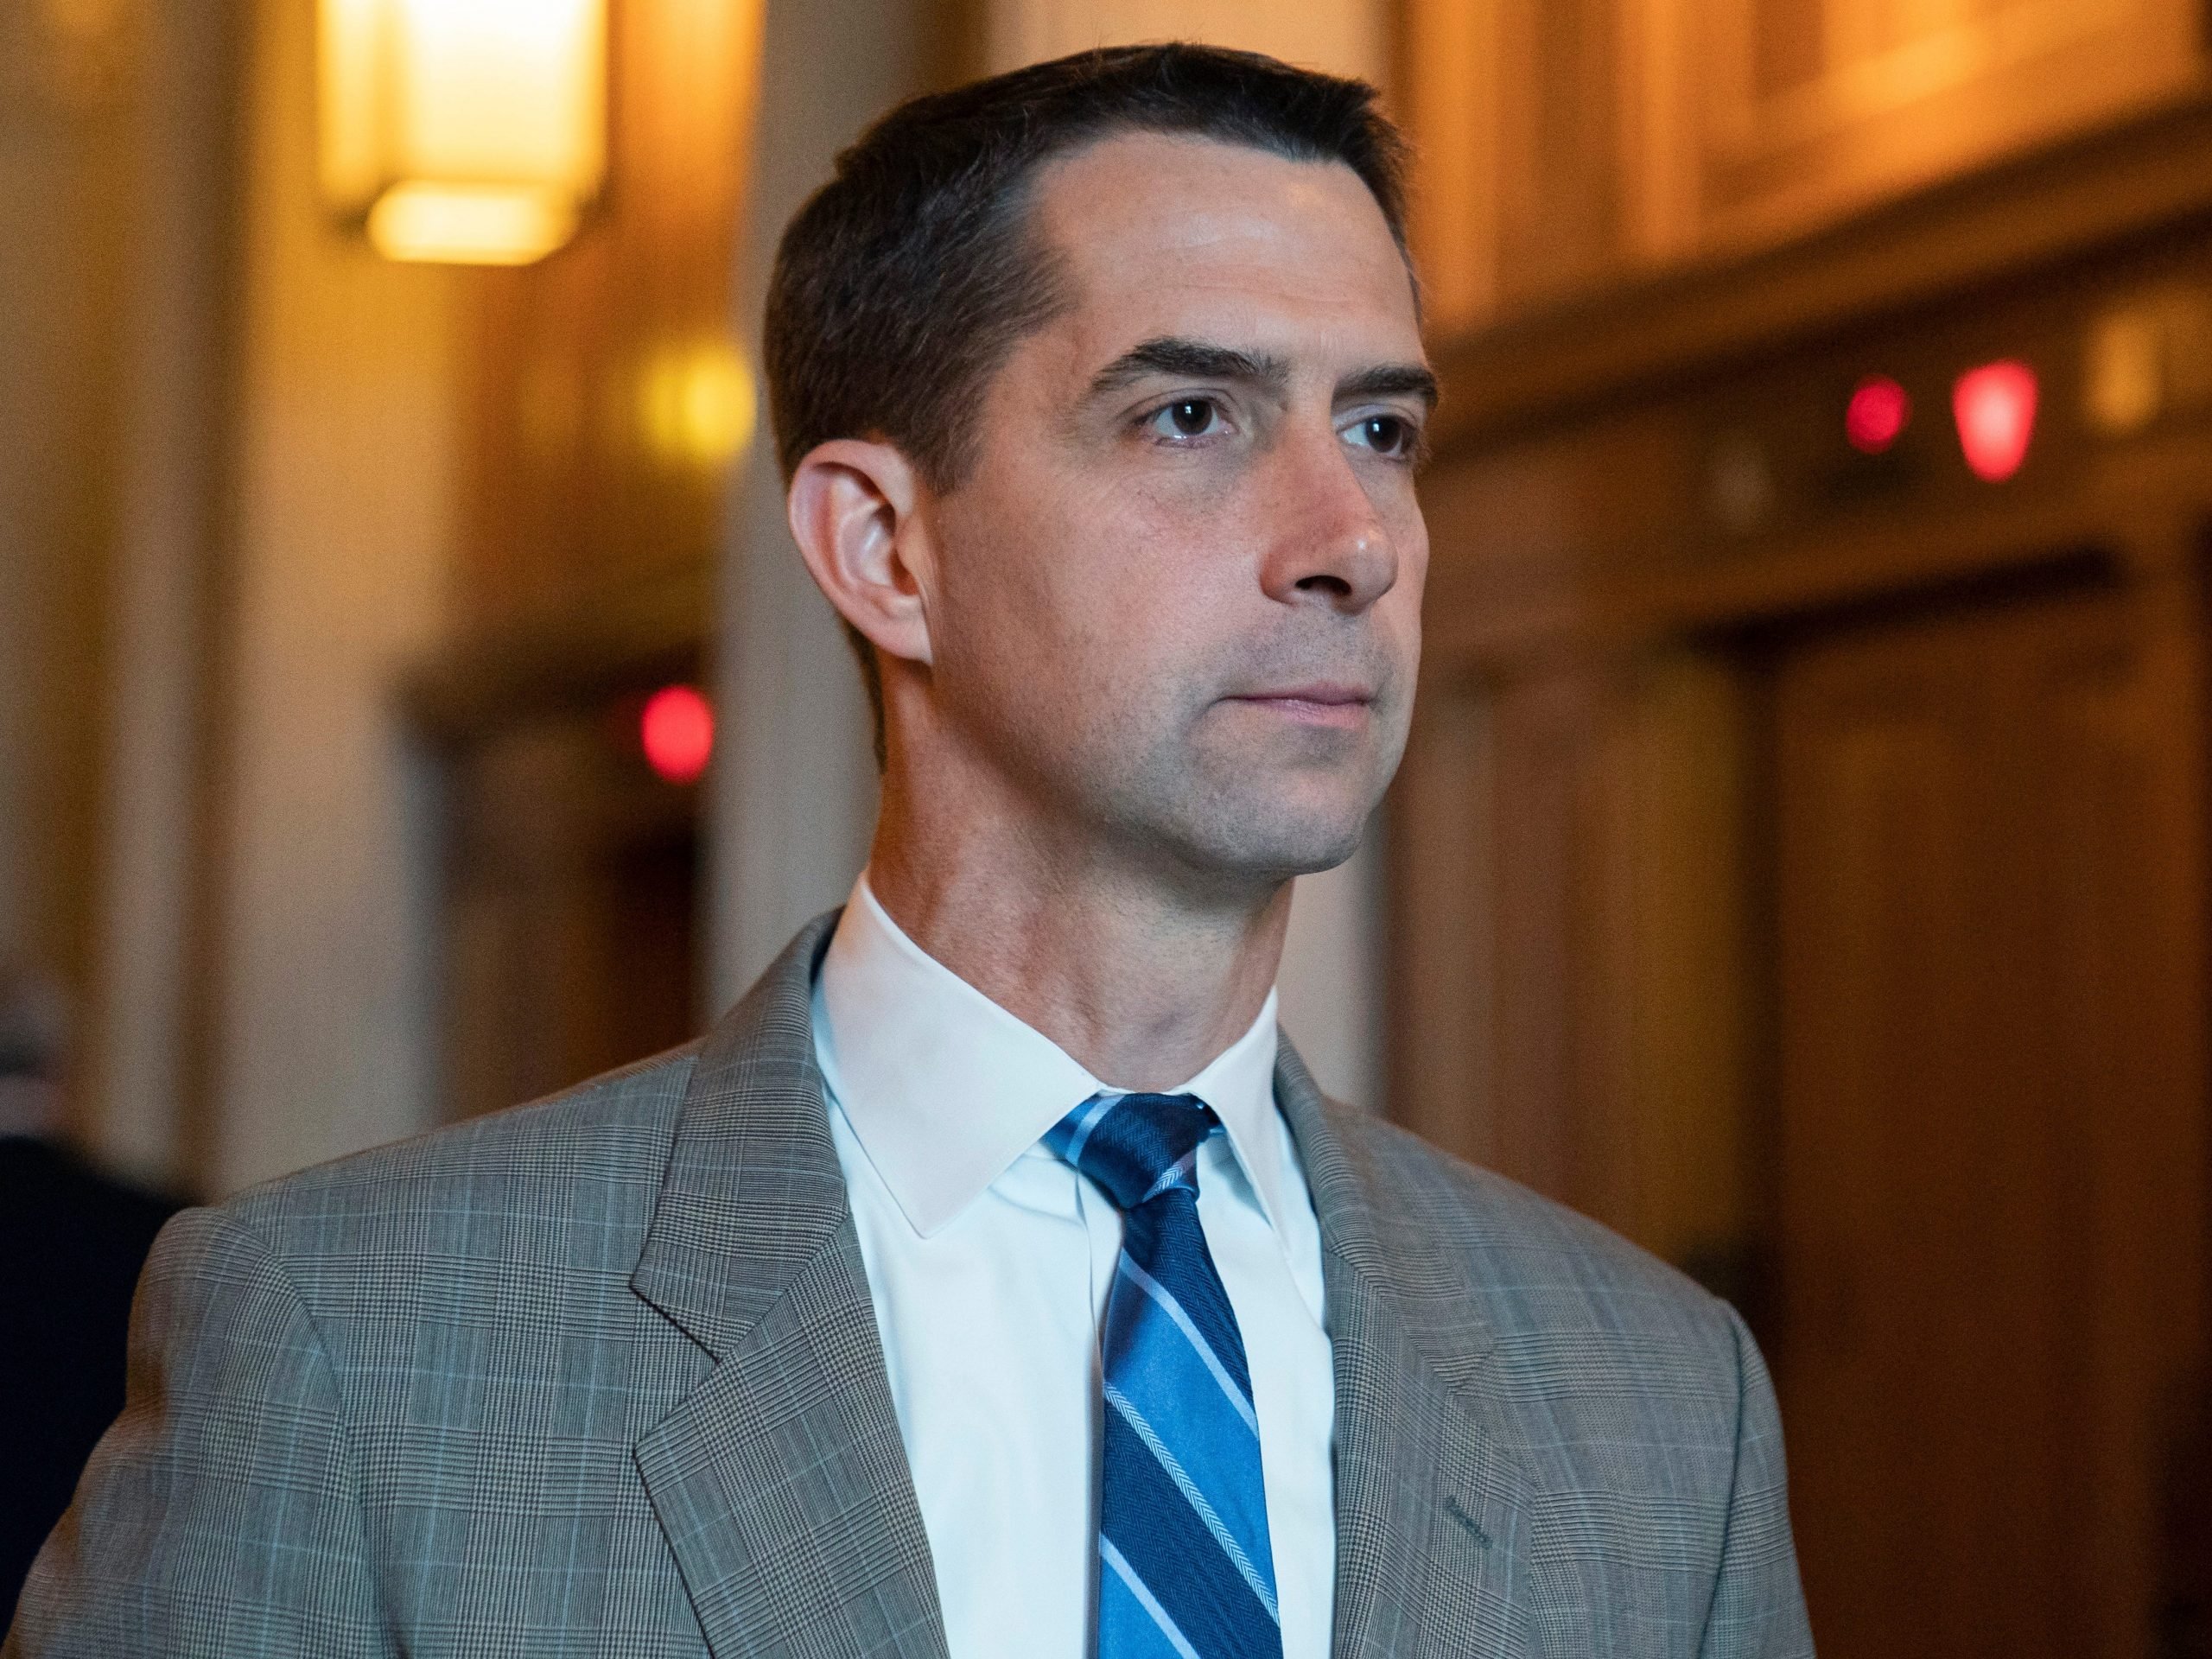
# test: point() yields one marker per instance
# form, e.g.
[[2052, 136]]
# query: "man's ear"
[[853, 508]]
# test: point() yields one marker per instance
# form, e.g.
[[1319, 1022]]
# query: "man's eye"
[[1193, 418], [1386, 434]]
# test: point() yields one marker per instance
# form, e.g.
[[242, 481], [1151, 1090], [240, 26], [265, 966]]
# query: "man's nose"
[[1328, 544]]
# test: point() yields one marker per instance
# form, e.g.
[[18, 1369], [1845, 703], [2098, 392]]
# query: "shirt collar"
[[944, 1089]]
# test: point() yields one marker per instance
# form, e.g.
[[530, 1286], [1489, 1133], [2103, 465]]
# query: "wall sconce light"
[[466, 131]]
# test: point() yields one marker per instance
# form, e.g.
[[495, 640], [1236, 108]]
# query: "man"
[[992, 1282]]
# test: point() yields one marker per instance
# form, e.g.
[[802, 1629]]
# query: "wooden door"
[[569, 927], [1991, 1157]]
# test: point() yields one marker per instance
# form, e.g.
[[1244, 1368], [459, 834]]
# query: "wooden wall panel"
[[1566, 144], [2123, 866], [1685, 1189], [1571, 990], [1992, 1156], [1523, 128], [1560, 1009], [1447, 98], [1345, 37], [1807, 111], [570, 921], [1561, 218], [1443, 1084], [1896, 1091]]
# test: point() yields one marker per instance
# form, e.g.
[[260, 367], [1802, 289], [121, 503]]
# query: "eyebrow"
[[1391, 380], [1172, 355]]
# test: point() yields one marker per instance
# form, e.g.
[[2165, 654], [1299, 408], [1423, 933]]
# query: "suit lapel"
[[1432, 1514], [781, 1482]]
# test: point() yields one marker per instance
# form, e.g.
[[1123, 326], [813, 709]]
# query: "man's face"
[[1178, 592]]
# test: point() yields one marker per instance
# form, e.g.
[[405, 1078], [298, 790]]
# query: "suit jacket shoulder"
[[431, 1350], [1639, 1445], [593, 1155], [1531, 1266], [1570, 1338]]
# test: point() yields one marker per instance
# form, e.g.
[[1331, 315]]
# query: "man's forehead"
[[1158, 235]]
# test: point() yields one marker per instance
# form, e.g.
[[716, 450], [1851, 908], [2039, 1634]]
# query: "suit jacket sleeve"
[[221, 1514], [1758, 1607]]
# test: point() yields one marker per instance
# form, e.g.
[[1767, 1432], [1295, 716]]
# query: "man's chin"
[[1261, 849], [1246, 820]]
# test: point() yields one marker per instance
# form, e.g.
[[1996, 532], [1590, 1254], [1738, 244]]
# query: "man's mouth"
[[1322, 702]]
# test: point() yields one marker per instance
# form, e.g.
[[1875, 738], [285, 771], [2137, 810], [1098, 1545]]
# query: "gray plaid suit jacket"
[[601, 1375]]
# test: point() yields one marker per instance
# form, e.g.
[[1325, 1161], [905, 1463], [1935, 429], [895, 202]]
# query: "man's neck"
[[1141, 984]]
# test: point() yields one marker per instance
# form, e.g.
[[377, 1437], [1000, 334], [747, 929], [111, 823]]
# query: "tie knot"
[[1135, 1147]]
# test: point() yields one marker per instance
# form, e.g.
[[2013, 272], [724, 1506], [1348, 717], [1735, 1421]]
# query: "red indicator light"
[[1995, 408], [677, 732], [1879, 411]]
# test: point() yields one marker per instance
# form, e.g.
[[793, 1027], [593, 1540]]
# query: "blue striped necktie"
[[1185, 1571]]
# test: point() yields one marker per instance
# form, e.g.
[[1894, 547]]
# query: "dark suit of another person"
[[72, 1243]]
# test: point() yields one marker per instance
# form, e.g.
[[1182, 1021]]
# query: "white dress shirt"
[[989, 1260]]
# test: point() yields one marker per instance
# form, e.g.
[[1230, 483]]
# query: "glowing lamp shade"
[[1995, 408], [466, 131], [677, 732], [1878, 414]]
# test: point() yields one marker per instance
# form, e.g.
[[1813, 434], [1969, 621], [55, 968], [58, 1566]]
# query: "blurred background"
[[409, 702]]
